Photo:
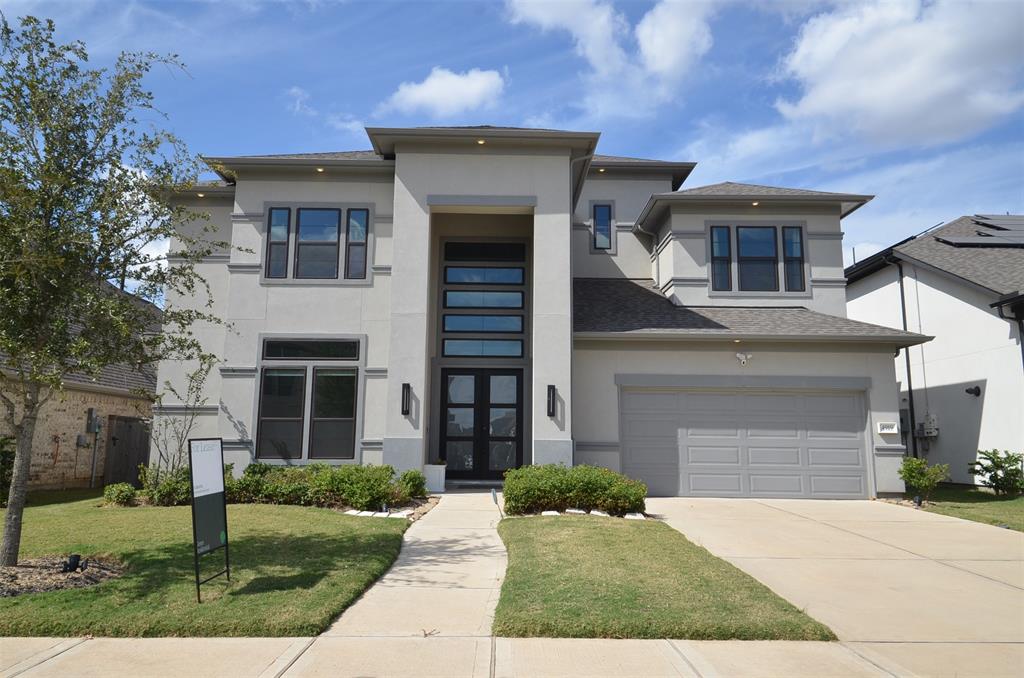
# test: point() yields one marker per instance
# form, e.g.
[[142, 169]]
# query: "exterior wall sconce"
[[974, 391], [406, 399], [552, 395]]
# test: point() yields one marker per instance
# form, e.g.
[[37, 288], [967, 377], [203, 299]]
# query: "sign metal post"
[[209, 504]]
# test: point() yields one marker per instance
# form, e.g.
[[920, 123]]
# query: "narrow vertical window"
[[602, 227], [282, 404], [793, 253], [278, 225], [316, 243], [721, 259], [355, 243], [332, 428], [757, 258]]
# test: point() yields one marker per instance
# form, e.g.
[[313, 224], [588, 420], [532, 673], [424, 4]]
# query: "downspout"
[[906, 357]]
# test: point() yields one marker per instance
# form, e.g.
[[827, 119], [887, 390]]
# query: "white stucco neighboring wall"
[[596, 363], [973, 346]]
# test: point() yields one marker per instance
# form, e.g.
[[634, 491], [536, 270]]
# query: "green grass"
[[588, 577], [979, 505], [294, 569]]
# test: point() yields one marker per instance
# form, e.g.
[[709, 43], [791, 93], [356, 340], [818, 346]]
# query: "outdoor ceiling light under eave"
[[201, 195], [755, 203], [319, 169], [481, 141], [601, 169]]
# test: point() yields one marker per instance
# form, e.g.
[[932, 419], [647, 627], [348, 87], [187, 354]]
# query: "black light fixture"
[[974, 391], [552, 395], [406, 399]]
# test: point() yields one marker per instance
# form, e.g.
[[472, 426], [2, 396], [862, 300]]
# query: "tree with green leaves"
[[87, 185]]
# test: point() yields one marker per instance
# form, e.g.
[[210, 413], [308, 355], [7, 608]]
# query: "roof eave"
[[678, 170], [898, 340], [383, 138]]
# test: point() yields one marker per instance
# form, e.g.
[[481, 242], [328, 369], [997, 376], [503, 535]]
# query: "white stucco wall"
[[972, 347], [595, 364]]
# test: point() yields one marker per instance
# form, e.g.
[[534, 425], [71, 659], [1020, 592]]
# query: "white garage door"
[[745, 443]]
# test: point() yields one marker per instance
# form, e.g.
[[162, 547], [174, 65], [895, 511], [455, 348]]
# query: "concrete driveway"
[[928, 594]]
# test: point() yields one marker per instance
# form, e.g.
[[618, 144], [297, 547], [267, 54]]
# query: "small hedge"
[[553, 487], [362, 487], [119, 494]]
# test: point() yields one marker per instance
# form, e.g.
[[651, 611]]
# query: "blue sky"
[[920, 104]]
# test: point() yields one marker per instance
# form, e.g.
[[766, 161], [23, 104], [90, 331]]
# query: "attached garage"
[[745, 442]]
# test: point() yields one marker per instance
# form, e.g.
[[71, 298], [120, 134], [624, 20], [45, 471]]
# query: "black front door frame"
[[481, 436]]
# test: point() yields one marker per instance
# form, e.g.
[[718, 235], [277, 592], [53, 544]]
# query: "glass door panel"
[[482, 431]]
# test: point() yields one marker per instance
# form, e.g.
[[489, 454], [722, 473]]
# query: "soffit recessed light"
[[735, 341], [600, 169], [319, 169], [201, 195], [481, 141], [755, 203]]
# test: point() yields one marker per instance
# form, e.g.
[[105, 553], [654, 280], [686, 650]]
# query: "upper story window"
[[317, 243], [757, 258], [602, 227]]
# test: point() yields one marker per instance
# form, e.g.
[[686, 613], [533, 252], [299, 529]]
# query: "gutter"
[[906, 357], [1015, 300], [901, 341]]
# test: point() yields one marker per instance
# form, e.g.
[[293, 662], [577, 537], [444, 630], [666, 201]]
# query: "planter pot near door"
[[435, 477]]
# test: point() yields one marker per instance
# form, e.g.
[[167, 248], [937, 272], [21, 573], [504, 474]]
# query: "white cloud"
[[343, 122], [908, 72], [298, 101], [633, 69], [446, 93]]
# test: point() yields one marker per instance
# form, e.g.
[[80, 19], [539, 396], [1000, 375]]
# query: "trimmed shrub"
[[367, 487], [164, 487], [413, 483], [6, 467], [119, 494], [920, 478], [1001, 472], [552, 487]]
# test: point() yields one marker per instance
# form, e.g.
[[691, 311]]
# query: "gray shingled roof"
[[326, 155], [999, 268], [733, 189], [635, 308]]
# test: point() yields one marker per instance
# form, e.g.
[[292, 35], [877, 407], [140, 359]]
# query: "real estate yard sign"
[[209, 505]]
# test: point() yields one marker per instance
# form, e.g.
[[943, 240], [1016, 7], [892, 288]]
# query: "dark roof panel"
[[635, 308]]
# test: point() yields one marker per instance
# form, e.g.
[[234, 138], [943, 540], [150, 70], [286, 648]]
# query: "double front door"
[[482, 422]]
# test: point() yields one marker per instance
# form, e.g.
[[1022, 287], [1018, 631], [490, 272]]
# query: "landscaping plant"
[[87, 177], [119, 494], [553, 487], [920, 478], [1000, 471]]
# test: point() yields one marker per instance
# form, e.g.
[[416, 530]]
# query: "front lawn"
[[294, 569], [590, 577], [979, 505]]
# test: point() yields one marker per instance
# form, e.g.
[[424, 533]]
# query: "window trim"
[[800, 261], [365, 244], [716, 259], [735, 292], [309, 364], [340, 280], [286, 242]]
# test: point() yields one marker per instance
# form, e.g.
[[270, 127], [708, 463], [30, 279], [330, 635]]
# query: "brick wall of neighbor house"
[[56, 462]]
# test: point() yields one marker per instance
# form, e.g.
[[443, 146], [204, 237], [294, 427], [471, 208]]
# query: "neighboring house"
[[70, 451], [962, 282], [494, 297]]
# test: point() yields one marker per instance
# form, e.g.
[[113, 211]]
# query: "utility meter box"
[[929, 428]]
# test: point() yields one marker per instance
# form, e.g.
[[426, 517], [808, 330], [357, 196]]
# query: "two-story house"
[[492, 297]]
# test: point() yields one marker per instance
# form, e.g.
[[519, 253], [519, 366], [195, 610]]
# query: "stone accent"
[[57, 463]]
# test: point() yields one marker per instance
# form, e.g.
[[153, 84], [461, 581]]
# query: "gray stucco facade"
[[470, 340]]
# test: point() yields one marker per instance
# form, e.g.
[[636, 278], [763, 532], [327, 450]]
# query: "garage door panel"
[[834, 456], [743, 443], [714, 484], [719, 454], [849, 486], [772, 484], [643, 402], [773, 456]]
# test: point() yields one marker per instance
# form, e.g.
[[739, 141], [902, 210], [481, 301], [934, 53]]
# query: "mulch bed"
[[36, 575]]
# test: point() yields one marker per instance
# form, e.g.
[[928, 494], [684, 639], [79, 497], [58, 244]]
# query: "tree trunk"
[[19, 488]]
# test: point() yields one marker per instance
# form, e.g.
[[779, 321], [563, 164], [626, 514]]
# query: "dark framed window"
[[507, 348], [602, 227], [484, 275], [510, 324], [721, 259], [793, 258], [281, 413], [484, 251], [482, 299], [317, 233], [332, 421], [278, 226], [757, 258], [311, 349], [355, 243]]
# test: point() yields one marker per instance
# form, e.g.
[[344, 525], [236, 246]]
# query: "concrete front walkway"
[[916, 592]]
